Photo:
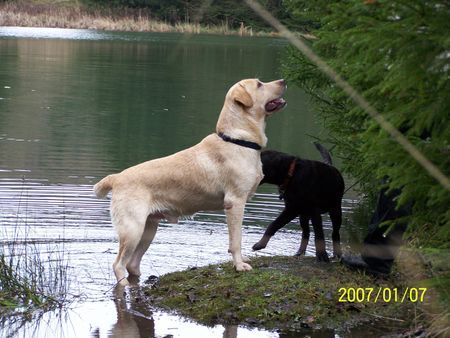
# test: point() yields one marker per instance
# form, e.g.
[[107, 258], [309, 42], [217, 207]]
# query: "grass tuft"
[[29, 282], [33, 276]]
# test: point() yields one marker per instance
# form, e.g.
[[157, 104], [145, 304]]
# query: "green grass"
[[279, 293], [28, 282]]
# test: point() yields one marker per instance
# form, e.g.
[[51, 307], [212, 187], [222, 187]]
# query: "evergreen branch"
[[415, 153]]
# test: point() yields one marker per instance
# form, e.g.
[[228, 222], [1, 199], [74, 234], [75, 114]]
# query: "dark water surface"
[[76, 105]]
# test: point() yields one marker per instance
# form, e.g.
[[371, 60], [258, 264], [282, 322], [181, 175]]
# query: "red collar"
[[282, 188]]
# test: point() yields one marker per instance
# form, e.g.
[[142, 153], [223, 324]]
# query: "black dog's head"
[[275, 166]]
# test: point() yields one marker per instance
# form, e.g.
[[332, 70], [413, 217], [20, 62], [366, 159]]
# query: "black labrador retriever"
[[309, 189]]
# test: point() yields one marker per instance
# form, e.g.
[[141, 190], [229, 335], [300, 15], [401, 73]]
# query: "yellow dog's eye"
[[259, 84]]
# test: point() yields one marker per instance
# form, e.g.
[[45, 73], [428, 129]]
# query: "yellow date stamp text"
[[381, 294]]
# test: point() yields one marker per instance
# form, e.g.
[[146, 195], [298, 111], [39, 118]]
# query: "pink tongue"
[[274, 104], [271, 105]]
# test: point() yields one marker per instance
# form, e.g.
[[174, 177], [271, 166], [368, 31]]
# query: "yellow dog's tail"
[[102, 188]]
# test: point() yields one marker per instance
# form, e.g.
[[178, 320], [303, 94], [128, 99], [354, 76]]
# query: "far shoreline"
[[77, 17]]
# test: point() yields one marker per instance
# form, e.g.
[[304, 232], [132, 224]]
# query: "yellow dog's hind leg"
[[151, 225]]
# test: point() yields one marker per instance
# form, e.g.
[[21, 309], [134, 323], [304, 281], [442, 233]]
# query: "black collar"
[[243, 143]]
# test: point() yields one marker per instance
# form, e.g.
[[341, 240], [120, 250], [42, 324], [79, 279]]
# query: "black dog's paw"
[[322, 256], [258, 246], [262, 243], [300, 252]]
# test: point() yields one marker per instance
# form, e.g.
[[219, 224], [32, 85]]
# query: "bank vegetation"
[[116, 17], [299, 294]]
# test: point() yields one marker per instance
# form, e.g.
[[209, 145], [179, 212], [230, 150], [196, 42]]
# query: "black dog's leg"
[[336, 220], [304, 222], [319, 237], [284, 218]]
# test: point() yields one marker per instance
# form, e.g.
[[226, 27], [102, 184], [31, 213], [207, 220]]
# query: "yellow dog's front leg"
[[235, 212]]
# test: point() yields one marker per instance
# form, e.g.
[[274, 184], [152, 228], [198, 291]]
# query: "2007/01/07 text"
[[381, 294]]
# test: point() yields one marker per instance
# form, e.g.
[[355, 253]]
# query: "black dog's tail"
[[326, 156]]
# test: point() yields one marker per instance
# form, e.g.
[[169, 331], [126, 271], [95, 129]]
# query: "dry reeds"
[[23, 14]]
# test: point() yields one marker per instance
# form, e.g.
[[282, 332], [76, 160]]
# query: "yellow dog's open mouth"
[[275, 105]]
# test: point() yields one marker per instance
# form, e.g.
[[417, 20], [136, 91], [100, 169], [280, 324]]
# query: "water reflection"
[[96, 35], [128, 317], [52, 33], [133, 316], [136, 319]]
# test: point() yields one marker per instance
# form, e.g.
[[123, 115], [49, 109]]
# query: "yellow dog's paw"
[[243, 266]]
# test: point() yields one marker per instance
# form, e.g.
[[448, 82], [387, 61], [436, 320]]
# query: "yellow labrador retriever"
[[221, 172]]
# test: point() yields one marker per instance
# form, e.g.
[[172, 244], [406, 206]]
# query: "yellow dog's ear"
[[242, 97]]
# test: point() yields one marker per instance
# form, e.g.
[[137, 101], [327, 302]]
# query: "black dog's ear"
[[242, 97]]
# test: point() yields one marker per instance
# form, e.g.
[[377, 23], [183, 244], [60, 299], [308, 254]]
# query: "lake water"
[[76, 105]]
